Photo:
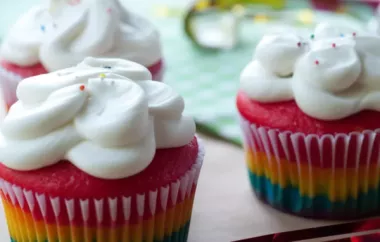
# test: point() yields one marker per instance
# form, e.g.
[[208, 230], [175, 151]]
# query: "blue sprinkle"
[[42, 28], [107, 67], [341, 35]]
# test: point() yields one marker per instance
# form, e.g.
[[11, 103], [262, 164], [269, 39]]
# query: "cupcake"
[[98, 154], [61, 33], [309, 111]]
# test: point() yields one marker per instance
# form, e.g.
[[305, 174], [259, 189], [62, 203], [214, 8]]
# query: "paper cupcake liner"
[[162, 214], [326, 176]]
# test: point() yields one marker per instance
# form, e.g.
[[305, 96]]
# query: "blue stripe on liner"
[[289, 200]]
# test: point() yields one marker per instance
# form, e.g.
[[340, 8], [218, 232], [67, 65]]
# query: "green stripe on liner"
[[290, 200], [179, 236]]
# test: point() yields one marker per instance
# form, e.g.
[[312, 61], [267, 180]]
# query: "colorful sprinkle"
[[81, 87], [341, 35], [102, 75], [354, 34], [109, 10], [312, 36], [333, 45], [306, 16], [42, 27], [317, 62], [299, 44]]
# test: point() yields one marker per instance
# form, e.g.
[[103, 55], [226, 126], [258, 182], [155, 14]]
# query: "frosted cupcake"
[[61, 33], [309, 112], [93, 154]]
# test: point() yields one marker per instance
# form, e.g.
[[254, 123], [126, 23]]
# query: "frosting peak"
[[99, 115], [60, 35], [332, 75], [281, 57]]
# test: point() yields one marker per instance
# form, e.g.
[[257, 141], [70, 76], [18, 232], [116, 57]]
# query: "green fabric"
[[208, 80]]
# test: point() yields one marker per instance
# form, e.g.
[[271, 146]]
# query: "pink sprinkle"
[[299, 44], [354, 34], [317, 62], [109, 10], [334, 45]]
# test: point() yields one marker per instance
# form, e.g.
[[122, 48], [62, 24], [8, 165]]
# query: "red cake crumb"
[[286, 116]]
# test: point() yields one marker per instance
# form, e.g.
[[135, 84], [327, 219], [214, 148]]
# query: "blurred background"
[[208, 42]]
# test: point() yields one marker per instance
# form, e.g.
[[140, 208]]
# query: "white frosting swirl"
[[62, 35], [100, 115], [374, 22], [335, 74]]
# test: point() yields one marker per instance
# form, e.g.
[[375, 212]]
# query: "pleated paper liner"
[[326, 176], [159, 215]]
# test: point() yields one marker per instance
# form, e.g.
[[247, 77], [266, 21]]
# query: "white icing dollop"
[[60, 35], [103, 115], [374, 22], [335, 75], [281, 57]]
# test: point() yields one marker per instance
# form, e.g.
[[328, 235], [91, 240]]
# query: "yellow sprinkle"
[[238, 9], [306, 16], [102, 75], [202, 5], [260, 18], [162, 11]]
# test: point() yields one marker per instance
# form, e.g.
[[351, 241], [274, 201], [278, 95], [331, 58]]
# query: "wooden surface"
[[225, 208]]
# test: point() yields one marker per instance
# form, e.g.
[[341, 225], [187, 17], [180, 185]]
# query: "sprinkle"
[[102, 75], [299, 44], [341, 35], [107, 67], [312, 36], [109, 10], [333, 45], [306, 16], [238, 10], [354, 34], [42, 27], [316, 62], [81, 87]]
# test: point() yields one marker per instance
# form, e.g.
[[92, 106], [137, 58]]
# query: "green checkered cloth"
[[209, 80]]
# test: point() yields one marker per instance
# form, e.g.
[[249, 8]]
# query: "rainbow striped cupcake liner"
[[155, 216], [326, 176]]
